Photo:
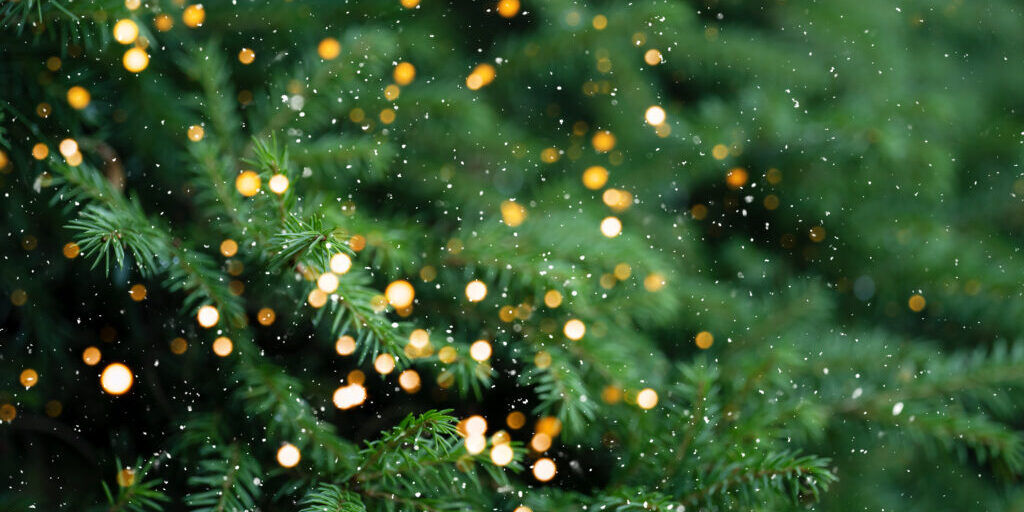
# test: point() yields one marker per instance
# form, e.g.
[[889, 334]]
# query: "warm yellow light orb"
[[475, 444], [611, 227], [248, 183], [327, 282], [40, 151], [131, 5], [736, 178], [574, 329], [329, 48], [540, 442], [404, 73], [68, 147], [400, 294], [345, 345], [552, 299], [719, 151], [163, 22], [347, 397], [71, 250], [603, 141], [409, 4], [655, 115], [194, 16], [544, 469], [126, 31], [278, 184], [288, 455], [384, 364], [916, 303], [595, 177], [137, 292], [647, 398], [208, 316], [482, 75], [179, 346], [196, 133], [447, 355], [28, 377], [409, 380], [419, 338], [266, 316], [513, 213], [508, 8], [652, 57], [523, 508], [476, 290], [480, 350], [91, 356], [135, 60], [116, 379], [223, 346], [229, 248], [316, 298], [502, 454], [246, 56], [340, 263], [78, 97], [475, 425], [704, 339]]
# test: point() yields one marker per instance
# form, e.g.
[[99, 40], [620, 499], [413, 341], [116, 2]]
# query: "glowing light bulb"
[[196, 133], [126, 31], [574, 329], [288, 455], [78, 97], [480, 350], [419, 338], [409, 380], [329, 48], [611, 227], [248, 183], [208, 316], [91, 356], [400, 294], [647, 398], [116, 379], [278, 184], [502, 454], [28, 377], [475, 444], [508, 8], [595, 177], [476, 291], [68, 147], [223, 346], [544, 469], [655, 115], [404, 73], [384, 364], [135, 60], [347, 397], [476, 425], [194, 16], [345, 345], [246, 56], [327, 282], [340, 263]]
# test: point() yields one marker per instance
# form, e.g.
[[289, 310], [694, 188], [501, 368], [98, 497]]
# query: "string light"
[[248, 183], [327, 282], [419, 338], [340, 263], [704, 339], [194, 16], [329, 48], [482, 75], [515, 420], [476, 290], [544, 469], [611, 227], [647, 398], [196, 133], [78, 97], [475, 425], [384, 364], [126, 31], [404, 73], [68, 147], [228, 248], [655, 115], [513, 213], [652, 57], [502, 454], [179, 346], [595, 177], [222, 346], [137, 292], [345, 345], [400, 294], [163, 22], [475, 444], [316, 298], [288, 455], [916, 303], [28, 377], [91, 356], [508, 8], [135, 60], [347, 397], [409, 4], [266, 316], [603, 141], [246, 56], [480, 350], [278, 184], [409, 380], [736, 178], [208, 316], [116, 379]]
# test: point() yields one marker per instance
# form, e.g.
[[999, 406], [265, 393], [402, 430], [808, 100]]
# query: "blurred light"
[[116, 379]]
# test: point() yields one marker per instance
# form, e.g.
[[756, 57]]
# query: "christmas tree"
[[344, 255]]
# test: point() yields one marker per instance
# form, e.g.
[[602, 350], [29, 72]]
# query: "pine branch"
[[140, 494], [784, 473], [331, 498], [226, 479]]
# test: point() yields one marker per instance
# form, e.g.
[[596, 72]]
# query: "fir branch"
[[783, 472], [226, 478], [331, 498], [140, 494]]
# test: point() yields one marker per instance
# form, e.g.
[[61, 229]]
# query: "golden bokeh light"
[[91, 356], [248, 183], [409, 380], [316, 298], [400, 294], [246, 56], [137, 292], [196, 133], [611, 227], [515, 420], [278, 184], [40, 151], [603, 141], [135, 60], [223, 346], [508, 8], [544, 469], [647, 398], [476, 290], [347, 397], [736, 177], [447, 355], [329, 48], [552, 299], [327, 282], [288, 455], [704, 340], [595, 177], [208, 316], [513, 213], [384, 364], [340, 263], [404, 73], [654, 115], [179, 346], [475, 425], [78, 97], [116, 379], [916, 303], [719, 151], [163, 22], [654, 282], [502, 454], [409, 4], [345, 345], [68, 147], [475, 444], [194, 16], [126, 31], [480, 350], [481, 76], [28, 377], [652, 57], [228, 248], [419, 338]]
